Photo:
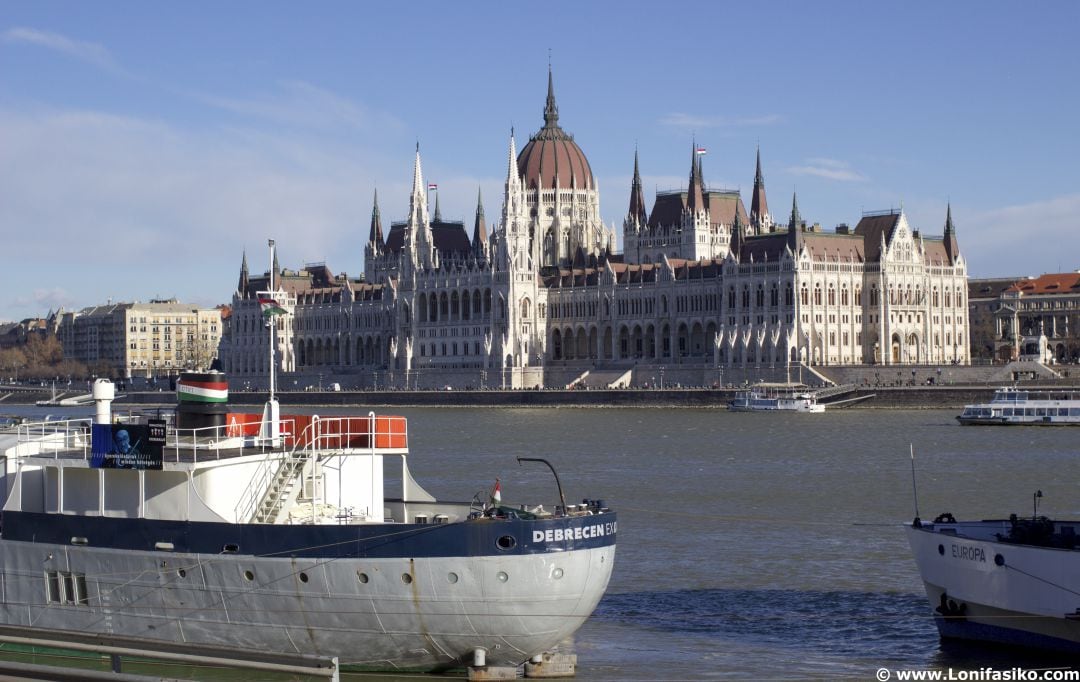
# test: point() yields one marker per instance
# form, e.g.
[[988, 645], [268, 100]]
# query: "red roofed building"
[[1039, 318]]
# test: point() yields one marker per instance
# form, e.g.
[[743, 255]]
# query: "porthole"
[[361, 576], [303, 577], [230, 549], [181, 573], [941, 550], [451, 578], [999, 560], [501, 577], [406, 578], [557, 573], [249, 576], [506, 542]]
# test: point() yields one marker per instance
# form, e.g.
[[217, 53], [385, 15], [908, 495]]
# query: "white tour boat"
[[1023, 406], [761, 399], [1014, 581]]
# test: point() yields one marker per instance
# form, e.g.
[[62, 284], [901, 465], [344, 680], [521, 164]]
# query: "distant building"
[[129, 340], [13, 334], [1034, 318], [703, 287]]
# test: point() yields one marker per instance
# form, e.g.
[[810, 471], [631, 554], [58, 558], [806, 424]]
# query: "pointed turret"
[[438, 211], [759, 207], [375, 237], [795, 232], [795, 221], [695, 200], [276, 268], [737, 236], [637, 212], [951, 246], [242, 285], [479, 238]]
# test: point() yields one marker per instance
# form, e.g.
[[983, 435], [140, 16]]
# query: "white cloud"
[[830, 169], [91, 53], [302, 104], [698, 122], [111, 206]]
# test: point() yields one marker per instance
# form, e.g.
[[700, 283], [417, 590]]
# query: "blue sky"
[[145, 146]]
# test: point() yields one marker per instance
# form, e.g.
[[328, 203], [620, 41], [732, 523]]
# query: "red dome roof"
[[552, 155]]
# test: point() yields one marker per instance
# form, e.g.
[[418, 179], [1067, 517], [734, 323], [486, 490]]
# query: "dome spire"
[[551, 110]]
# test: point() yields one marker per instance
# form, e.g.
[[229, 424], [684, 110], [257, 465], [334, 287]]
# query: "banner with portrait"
[[128, 446]]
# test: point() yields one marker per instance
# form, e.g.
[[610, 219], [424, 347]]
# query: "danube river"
[[756, 545]]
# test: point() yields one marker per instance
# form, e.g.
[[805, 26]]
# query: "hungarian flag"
[[432, 186], [496, 493], [270, 306], [700, 151]]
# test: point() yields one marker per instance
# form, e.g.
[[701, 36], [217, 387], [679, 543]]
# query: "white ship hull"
[[424, 613], [983, 589]]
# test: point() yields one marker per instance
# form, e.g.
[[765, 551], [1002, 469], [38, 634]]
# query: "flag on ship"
[[270, 306], [496, 493]]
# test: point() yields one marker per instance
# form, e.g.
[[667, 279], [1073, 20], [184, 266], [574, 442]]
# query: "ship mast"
[[271, 418]]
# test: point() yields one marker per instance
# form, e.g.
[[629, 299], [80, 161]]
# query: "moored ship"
[[1011, 581], [1025, 407], [227, 536], [763, 400]]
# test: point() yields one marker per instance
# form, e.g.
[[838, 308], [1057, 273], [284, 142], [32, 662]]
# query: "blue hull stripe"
[[484, 537], [983, 632]]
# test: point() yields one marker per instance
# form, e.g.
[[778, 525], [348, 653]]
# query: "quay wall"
[[904, 397]]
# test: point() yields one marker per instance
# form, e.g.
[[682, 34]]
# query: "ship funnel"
[[103, 394]]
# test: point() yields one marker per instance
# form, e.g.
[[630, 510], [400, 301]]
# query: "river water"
[[754, 545]]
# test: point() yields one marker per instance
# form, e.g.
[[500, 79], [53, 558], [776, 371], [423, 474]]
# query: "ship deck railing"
[[71, 438]]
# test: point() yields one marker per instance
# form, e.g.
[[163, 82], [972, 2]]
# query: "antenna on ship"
[[1035, 503], [914, 488]]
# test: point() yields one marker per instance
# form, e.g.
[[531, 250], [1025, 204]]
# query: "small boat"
[[1023, 406], [1010, 581], [762, 399]]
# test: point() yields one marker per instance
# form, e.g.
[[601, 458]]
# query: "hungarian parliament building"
[[704, 291]]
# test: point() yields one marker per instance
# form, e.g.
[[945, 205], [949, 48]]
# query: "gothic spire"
[[637, 196], [795, 233], [951, 246], [737, 235], [438, 213], [696, 196], [759, 207], [242, 285], [376, 234], [479, 238], [796, 220], [551, 110], [277, 268]]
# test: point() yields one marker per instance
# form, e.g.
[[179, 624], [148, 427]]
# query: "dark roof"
[[989, 288], [449, 236], [668, 208], [871, 227]]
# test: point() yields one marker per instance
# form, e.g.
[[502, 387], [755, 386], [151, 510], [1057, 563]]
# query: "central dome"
[[551, 158]]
